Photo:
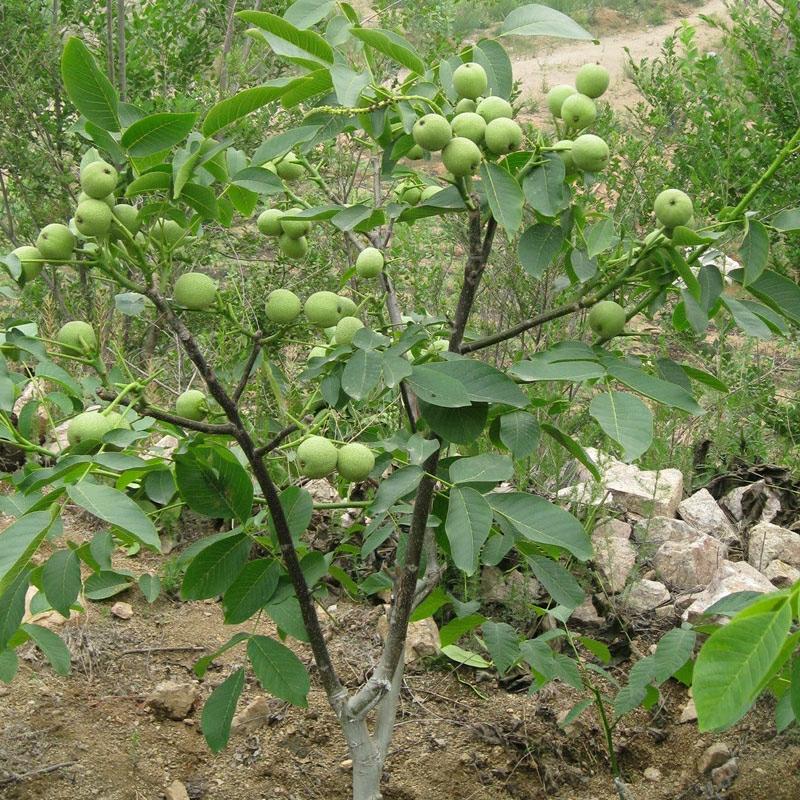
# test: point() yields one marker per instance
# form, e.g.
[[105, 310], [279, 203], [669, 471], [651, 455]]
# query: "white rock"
[[612, 527], [615, 558], [645, 492], [714, 756], [702, 512], [781, 574], [652, 774], [252, 717], [689, 712], [586, 494], [587, 614], [176, 791], [652, 533], [644, 596], [731, 577], [122, 610], [687, 565], [768, 542], [174, 700], [733, 501]]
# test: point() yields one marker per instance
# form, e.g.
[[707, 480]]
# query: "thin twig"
[[24, 776], [173, 649]]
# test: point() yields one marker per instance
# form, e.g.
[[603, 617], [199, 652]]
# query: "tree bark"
[[121, 52], [110, 39], [226, 48]]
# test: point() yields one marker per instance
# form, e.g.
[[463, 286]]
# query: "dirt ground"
[[459, 734]]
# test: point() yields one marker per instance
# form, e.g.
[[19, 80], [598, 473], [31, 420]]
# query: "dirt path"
[[558, 62]]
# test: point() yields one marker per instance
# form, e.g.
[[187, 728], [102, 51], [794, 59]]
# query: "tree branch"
[[248, 367]]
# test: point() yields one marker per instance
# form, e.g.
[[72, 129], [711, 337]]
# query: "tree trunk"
[[121, 55], [110, 39], [226, 48]]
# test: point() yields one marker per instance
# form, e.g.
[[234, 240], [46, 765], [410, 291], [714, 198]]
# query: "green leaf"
[[52, 372], [400, 483], [391, 45], [150, 586], [156, 181], [212, 482], [116, 508], [469, 520], [53, 647], [544, 186], [87, 86], [461, 427], [541, 522], [519, 432], [486, 468], [12, 606], [749, 322], [504, 196], [787, 220], [732, 664], [558, 582], [279, 670], [201, 199], [106, 583], [251, 590], [61, 580], [538, 20], [572, 447], [278, 146], [458, 627], [776, 291], [362, 373], [794, 691], [305, 13], [625, 419], [674, 649], [348, 84], [491, 55], [258, 180], [483, 382], [9, 664], [465, 657], [599, 237], [502, 643], [240, 105], [661, 391], [214, 569], [436, 388], [219, 710], [538, 247], [298, 508], [540, 367], [156, 133], [287, 40], [202, 664], [754, 251], [598, 649], [18, 542], [306, 87]]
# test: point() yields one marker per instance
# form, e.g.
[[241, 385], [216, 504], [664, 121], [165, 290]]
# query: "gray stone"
[[645, 596], [732, 501], [688, 712], [253, 716], [781, 574], [687, 565], [731, 577], [174, 700], [508, 587], [652, 774], [702, 512], [722, 777], [612, 527], [587, 614], [615, 558], [122, 610], [176, 791], [714, 756], [768, 542], [652, 533]]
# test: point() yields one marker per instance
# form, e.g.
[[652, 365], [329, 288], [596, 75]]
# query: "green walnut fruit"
[[369, 263], [322, 309], [99, 179], [432, 132], [116, 421], [592, 80], [355, 461], [564, 149], [127, 216], [167, 232], [607, 319], [461, 157], [470, 125], [673, 207], [347, 308], [494, 108], [464, 105], [89, 426], [93, 218], [283, 306], [269, 222], [317, 352], [56, 242], [556, 97], [109, 199], [590, 153], [578, 111], [289, 168], [407, 192], [291, 247], [77, 338], [192, 404], [503, 136], [295, 227], [195, 291], [330, 332], [30, 259], [470, 80], [415, 153], [429, 191], [317, 457], [346, 329]]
